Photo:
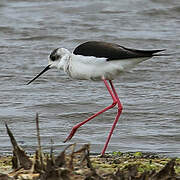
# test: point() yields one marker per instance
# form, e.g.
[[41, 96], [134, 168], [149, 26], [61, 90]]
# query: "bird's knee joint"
[[120, 108], [114, 103]]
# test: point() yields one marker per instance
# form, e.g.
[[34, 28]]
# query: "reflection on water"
[[29, 30]]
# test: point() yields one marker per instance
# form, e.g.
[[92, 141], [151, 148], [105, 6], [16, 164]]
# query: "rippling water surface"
[[150, 93]]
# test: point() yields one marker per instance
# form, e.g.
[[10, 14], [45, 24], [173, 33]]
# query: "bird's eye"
[[54, 56]]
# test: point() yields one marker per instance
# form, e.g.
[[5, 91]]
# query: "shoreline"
[[80, 165], [70, 164]]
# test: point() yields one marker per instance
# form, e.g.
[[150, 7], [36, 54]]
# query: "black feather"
[[111, 51]]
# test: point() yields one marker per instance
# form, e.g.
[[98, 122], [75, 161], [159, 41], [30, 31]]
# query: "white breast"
[[84, 67]]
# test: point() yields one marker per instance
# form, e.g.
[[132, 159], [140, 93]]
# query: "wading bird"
[[94, 60]]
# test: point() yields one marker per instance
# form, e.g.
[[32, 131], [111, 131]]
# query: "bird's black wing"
[[111, 51]]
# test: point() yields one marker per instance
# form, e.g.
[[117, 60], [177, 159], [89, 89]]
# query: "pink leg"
[[115, 101], [116, 119]]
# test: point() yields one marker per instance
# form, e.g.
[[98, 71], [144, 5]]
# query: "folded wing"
[[111, 51]]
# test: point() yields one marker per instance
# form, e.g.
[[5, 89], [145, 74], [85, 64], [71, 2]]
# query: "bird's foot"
[[70, 135]]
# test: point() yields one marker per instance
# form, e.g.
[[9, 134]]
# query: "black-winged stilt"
[[95, 60]]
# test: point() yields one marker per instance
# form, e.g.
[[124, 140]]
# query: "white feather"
[[89, 67], [83, 67]]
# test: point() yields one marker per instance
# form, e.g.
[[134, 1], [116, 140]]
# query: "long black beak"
[[43, 71]]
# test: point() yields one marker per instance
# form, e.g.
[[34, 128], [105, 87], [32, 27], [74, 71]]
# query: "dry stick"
[[22, 158], [72, 157], [39, 141], [60, 159], [52, 153], [89, 165]]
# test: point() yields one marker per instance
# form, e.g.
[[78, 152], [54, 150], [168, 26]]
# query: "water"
[[150, 94]]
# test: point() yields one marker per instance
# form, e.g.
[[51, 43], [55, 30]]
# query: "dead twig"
[[40, 154], [19, 155]]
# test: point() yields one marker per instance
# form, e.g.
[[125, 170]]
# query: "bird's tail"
[[160, 50]]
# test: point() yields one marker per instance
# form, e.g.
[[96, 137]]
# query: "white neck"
[[64, 62]]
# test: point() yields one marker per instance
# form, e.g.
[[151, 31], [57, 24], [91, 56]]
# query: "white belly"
[[97, 68]]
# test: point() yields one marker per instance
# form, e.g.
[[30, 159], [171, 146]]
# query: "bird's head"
[[57, 59]]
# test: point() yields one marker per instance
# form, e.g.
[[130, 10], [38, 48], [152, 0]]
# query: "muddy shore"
[[72, 164]]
